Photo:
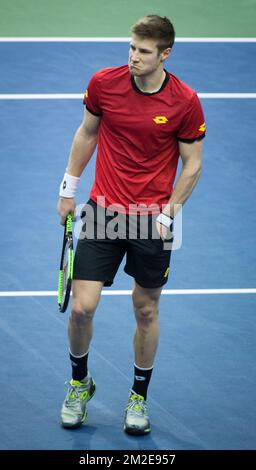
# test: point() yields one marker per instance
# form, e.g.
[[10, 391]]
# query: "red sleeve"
[[193, 124], [92, 96]]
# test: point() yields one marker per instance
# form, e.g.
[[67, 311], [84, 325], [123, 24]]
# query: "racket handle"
[[69, 221]]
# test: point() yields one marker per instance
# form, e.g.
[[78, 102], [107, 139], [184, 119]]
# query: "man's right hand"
[[64, 206]]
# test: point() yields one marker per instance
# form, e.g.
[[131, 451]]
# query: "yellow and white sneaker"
[[136, 420], [73, 411]]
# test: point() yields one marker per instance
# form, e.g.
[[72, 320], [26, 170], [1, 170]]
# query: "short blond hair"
[[155, 27]]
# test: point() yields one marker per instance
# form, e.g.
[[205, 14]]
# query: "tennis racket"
[[66, 266]]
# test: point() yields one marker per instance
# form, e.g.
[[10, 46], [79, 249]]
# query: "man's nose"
[[135, 56]]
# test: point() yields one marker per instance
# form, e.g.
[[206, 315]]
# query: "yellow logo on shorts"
[[86, 94], [167, 272], [160, 120]]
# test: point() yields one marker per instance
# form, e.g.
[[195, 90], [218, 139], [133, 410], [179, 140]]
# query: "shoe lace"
[[136, 406], [75, 394]]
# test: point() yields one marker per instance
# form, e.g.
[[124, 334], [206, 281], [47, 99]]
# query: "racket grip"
[[69, 223]]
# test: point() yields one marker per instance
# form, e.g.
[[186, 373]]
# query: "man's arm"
[[191, 155], [83, 146]]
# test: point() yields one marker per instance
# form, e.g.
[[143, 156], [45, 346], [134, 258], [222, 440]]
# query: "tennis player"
[[142, 119]]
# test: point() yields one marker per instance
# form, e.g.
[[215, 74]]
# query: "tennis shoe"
[[73, 411], [136, 420]]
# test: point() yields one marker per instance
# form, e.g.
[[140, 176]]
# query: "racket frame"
[[64, 292]]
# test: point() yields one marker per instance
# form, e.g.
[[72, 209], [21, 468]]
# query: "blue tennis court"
[[202, 393]]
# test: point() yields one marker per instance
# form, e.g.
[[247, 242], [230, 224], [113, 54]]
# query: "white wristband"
[[68, 186], [165, 220]]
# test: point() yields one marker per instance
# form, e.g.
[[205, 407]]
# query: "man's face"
[[144, 57]]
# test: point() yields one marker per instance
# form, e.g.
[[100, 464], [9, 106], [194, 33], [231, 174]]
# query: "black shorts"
[[103, 243]]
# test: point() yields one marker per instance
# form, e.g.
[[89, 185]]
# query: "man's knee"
[[82, 311], [146, 314], [85, 300], [145, 305]]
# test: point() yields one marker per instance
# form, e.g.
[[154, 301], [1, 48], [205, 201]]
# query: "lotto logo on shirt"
[[85, 97], [160, 120], [202, 128]]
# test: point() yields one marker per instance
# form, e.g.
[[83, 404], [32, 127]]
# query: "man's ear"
[[165, 53]]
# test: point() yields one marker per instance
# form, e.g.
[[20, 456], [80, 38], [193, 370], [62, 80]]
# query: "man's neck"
[[151, 83]]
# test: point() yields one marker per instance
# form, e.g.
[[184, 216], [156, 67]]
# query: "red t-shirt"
[[139, 133]]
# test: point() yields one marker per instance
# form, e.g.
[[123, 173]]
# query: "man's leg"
[[85, 298], [86, 295], [145, 304]]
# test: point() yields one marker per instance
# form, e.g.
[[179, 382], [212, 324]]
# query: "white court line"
[[41, 96], [227, 95], [78, 96], [53, 293], [116, 39]]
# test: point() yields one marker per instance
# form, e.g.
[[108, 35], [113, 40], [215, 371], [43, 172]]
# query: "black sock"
[[141, 380], [79, 366]]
